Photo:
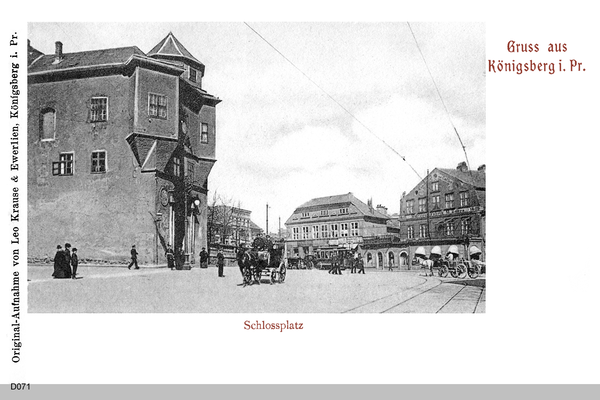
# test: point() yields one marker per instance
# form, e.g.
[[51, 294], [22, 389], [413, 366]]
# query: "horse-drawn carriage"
[[452, 264], [257, 264]]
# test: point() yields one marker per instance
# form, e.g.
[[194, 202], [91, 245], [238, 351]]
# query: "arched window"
[[48, 124]]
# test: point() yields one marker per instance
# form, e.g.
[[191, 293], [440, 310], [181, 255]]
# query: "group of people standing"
[[354, 260], [65, 262]]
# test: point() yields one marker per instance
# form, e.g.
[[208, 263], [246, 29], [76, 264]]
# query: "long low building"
[[324, 225]]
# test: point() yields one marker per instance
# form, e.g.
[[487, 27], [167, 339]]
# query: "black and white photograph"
[[266, 196], [256, 167]]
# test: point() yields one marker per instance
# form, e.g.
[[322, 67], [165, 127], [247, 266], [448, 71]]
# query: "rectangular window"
[[423, 205], [204, 134], [193, 75], [343, 211], [464, 199], [435, 186], [99, 109], [305, 232], [423, 231], [324, 232], [189, 169], [305, 214], [410, 233], [410, 206], [98, 162], [64, 166], [315, 232], [157, 106], [354, 229], [449, 229], [344, 230], [324, 213], [435, 201], [176, 166], [47, 124], [295, 233], [449, 198], [464, 227], [334, 231]]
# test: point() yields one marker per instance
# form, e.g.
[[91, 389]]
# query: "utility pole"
[[267, 232], [279, 232]]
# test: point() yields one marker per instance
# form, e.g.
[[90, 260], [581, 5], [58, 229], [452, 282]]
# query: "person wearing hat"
[[134, 255], [58, 262], [74, 263], [170, 257], [67, 261], [203, 258], [220, 262]]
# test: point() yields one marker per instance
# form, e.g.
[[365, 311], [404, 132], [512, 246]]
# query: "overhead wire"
[[332, 98], [440, 96]]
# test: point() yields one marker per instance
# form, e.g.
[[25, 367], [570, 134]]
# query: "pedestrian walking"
[[220, 262], [134, 255], [354, 263], [391, 266], [203, 258], [170, 257], [361, 264], [74, 263]]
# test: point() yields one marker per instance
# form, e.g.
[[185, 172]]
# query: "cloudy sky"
[[282, 140]]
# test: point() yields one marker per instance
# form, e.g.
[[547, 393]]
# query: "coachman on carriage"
[[263, 259]]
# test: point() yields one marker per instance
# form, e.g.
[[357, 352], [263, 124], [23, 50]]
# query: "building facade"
[[232, 226], [323, 226], [446, 208], [120, 147]]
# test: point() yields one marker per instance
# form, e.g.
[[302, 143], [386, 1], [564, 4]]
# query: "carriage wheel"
[[454, 272], [473, 271], [273, 276], [282, 274], [443, 271], [461, 271]]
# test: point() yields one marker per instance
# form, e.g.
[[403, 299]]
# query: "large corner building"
[[120, 147]]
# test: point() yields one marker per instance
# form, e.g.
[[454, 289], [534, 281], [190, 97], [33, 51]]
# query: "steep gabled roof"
[[171, 48]]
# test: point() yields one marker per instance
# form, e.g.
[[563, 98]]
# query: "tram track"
[[397, 293], [450, 299]]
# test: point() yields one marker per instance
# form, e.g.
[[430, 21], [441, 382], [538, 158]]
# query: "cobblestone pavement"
[[160, 290]]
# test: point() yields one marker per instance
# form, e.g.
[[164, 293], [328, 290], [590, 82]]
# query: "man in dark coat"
[[67, 260], [134, 255], [203, 258], [74, 262], [170, 257], [220, 262], [361, 264]]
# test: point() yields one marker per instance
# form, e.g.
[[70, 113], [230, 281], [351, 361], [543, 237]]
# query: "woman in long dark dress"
[[59, 259]]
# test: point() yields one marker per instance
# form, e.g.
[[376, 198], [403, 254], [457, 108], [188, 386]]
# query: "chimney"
[[58, 54], [462, 167], [481, 168], [382, 209]]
